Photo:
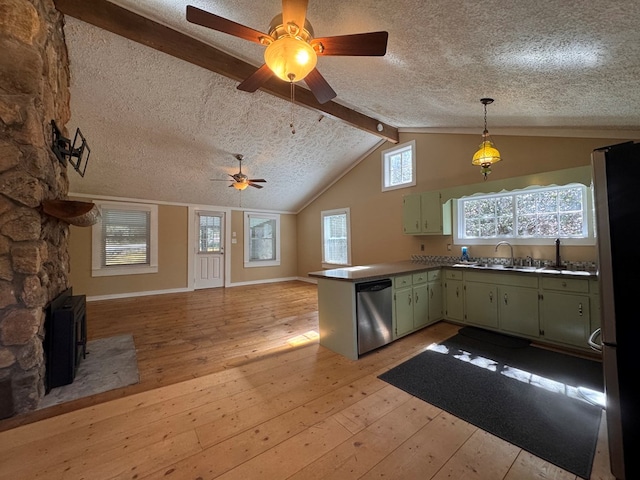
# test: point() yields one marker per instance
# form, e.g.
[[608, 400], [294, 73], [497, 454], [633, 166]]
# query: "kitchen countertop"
[[385, 270], [375, 271]]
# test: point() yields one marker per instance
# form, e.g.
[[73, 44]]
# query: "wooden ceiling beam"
[[125, 23]]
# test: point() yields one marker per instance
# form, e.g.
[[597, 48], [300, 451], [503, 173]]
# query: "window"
[[261, 239], [125, 239], [531, 216], [399, 166], [336, 238], [209, 233]]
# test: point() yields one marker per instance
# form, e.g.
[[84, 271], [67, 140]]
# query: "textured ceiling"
[[160, 128]]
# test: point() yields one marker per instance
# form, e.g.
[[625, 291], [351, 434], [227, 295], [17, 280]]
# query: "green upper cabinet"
[[422, 214], [431, 213], [411, 214]]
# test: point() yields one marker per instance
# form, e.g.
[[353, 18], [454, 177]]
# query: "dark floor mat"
[[525, 395]]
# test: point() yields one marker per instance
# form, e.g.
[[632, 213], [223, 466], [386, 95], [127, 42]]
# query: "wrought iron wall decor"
[[68, 152]]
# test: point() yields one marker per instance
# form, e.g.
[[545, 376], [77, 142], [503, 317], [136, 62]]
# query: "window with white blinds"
[[125, 239], [261, 239], [336, 237]]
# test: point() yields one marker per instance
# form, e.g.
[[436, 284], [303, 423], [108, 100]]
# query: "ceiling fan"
[[240, 180], [292, 50]]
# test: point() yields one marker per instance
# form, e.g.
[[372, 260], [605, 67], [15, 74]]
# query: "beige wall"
[[172, 259], [443, 161], [288, 252]]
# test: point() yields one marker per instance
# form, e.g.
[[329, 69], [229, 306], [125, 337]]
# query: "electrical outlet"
[[449, 246]]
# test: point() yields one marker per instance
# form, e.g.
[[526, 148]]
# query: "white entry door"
[[209, 268]]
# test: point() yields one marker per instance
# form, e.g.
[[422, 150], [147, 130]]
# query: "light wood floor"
[[224, 394]]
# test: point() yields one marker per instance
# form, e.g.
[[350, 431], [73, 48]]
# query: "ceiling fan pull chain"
[[293, 96]]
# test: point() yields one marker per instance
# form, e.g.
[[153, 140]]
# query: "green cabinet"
[[565, 310], [435, 301], [403, 309], [413, 306], [453, 298], [480, 304], [518, 309], [431, 213], [411, 214], [422, 214]]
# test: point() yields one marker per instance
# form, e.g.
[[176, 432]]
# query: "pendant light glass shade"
[[487, 153], [290, 58]]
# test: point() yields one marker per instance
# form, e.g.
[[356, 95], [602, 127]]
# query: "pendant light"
[[487, 154]]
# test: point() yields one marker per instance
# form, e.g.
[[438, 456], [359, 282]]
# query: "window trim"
[[590, 239], [260, 263], [97, 269], [327, 213], [386, 154]]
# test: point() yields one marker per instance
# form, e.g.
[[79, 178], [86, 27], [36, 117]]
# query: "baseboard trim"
[[113, 296], [95, 298], [257, 282]]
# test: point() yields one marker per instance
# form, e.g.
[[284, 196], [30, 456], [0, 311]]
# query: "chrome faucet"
[[510, 247]]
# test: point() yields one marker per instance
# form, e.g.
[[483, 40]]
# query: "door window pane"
[[210, 230]]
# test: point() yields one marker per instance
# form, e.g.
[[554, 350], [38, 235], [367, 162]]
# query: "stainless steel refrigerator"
[[616, 180]]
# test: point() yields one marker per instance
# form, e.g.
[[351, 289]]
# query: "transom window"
[[399, 166], [336, 238], [532, 215]]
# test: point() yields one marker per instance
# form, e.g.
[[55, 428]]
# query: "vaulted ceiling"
[[161, 127]]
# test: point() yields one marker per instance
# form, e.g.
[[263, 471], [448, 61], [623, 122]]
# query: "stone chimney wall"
[[34, 259]]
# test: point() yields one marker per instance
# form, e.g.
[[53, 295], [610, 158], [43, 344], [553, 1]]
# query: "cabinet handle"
[[426, 223], [417, 225], [491, 297], [564, 284], [409, 297], [417, 298], [505, 299], [580, 308], [457, 292]]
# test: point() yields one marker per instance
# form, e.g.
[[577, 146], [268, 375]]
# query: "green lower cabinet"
[[518, 310], [565, 318], [420, 305], [403, 304], [481, 306], [435, 301], [454, 304]]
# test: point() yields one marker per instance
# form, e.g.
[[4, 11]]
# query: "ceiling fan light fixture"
[[487, 153], [240, 185], [290, 58]]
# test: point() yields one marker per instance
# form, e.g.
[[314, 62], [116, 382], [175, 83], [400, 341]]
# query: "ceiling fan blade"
[[254, 81], [257, 180], [294, 11], [319, 86], [221, 24], [254, 185], [372, 44]]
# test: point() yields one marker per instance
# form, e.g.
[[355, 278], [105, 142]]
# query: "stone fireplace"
[[34, 259]]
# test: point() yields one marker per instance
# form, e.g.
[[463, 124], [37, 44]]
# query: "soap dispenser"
[[465, 254]]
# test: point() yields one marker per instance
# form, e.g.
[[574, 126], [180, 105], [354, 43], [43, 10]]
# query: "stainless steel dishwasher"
[[374, 314]]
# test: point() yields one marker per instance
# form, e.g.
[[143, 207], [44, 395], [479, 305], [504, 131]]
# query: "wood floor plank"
[[425, 452], [482, 456], [225, 392], [361, 452]]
